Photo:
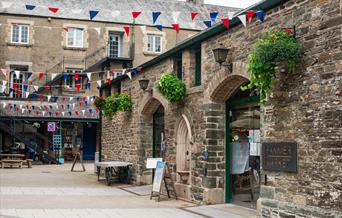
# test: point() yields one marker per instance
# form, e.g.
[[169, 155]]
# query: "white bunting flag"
[[53, 75], [20, 106], [63, 113], [73, 105], [36, 88], [4, 71], [22, 111], [4, 83], [17, 74], [115, 74], [89, 76], [243, 19], [6, 4], [175, 16], [4, 105], [83, 112], [27, 94], [70, 99], [56, 107], [129, 74], [49, 97], [43, 113], [115, 14], [99, 82]]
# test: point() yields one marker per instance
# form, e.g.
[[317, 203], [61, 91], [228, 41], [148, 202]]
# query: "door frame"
[[229, 104]]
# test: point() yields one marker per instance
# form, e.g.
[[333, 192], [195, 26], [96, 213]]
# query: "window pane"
[[15, 33], [70, 34], [79, 37], [24, 34], [150, 43], [157, 44]]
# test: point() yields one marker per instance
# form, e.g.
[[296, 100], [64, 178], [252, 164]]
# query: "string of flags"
[[155, 15]]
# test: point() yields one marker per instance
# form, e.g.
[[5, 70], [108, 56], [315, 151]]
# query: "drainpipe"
[[100, 132], [133, 41]]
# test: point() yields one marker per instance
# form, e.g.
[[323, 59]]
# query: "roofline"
[[265, 5]]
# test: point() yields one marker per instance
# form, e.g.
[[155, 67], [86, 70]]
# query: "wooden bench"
[[11, 163], [28, 162]]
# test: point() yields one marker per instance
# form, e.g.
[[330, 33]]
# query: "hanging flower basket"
[[276, 50], [172, 88], [99, 102], [115, 103]]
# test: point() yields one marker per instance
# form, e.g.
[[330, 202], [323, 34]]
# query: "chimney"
[[196, 1]]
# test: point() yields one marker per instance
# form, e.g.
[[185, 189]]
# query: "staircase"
[[22, 138]]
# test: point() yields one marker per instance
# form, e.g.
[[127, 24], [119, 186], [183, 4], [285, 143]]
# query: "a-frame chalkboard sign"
[[162, 174]]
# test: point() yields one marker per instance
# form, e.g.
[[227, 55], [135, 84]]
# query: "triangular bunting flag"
[[30, 7], [207, 23], [53, 10], [66, 29], [129, 74], [193, 15], [109, 81], [250, 15], [29, 74], [176, 27], [36, 88], [53, 75], [41, 75], [27, 94], [260, 15], [93, 14], [65, 76], [4, 71], [99, 82], [225, 22], [17, 74], [126, 28], [155, 16], [43, 112], [175, 16], [71, 98], [159, 27], [213, 16], [25, 87], [47, 88], [83, 112], [15, 86], [78, 87], [63, 113], [49, 97], [89, 76], [77, 75], [243, 19], [136, 14]]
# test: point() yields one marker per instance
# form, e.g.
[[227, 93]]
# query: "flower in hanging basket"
[[172, 88], [276, 48], [99, 102], [117, 102]]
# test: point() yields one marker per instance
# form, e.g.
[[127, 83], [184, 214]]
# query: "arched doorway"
[[158, 136], [183, 158]]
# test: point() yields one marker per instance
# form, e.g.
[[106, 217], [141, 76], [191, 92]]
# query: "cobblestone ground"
[[54, 191]]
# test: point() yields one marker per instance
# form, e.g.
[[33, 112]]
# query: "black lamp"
[[143, 83], [220, 55]]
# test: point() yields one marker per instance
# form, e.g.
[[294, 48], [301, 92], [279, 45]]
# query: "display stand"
[[162, 173], [78, 155]]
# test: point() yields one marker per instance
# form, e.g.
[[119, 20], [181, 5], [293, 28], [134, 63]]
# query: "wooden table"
[[115, 168], [12, 156]]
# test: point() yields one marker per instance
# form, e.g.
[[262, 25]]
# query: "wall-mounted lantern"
[[143, 83], [220, 55]]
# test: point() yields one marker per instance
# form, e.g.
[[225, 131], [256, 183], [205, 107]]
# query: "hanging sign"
[[279, 156], [51, 127], [158, 176]]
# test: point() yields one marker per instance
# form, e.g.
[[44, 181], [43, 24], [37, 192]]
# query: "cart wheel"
[[109, 176]]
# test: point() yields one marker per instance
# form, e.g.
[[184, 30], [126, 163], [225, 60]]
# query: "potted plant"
[[172, 88], [275, 49]]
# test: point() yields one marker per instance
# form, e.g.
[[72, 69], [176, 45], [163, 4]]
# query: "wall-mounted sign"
[[279, 156], [51, 127]]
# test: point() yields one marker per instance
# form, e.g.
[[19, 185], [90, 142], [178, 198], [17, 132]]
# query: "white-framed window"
[[19, 78], [75, 37], [154, 43], [20, 33], [71, 82], [114, 45]]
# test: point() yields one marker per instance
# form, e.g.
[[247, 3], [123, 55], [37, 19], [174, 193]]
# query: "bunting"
[[159, 27], [207, 23], [176, 27], [213, 16], [243, 19], [193, 15], [135, 14], [53, 10], [260, 15], [30, 7], [126, 28], [250, 15], [92, 14], [155, 16], [225, 22]]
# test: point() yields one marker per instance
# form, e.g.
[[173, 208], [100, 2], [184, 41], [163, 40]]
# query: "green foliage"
[[275, 47], [115, 103], [172, 88]]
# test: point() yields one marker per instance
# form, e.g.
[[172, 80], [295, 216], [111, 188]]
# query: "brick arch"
[[150, 103], [224, 84]]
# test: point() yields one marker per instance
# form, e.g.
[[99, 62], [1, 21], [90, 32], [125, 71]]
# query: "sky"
[[231, 3]]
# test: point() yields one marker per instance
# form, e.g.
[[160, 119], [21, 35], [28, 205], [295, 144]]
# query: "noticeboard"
[[279, 156], [158, 176]]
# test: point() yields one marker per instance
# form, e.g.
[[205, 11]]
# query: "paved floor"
[[54, 191]]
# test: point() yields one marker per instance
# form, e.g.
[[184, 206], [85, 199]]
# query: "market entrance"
[[158, 133], [243, 149]]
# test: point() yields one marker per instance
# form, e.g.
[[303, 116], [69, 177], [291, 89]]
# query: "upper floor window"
[[178, 65], [71, 81], [154, 43], [20, 33], [115, 44], [75, 37], [17, 80]]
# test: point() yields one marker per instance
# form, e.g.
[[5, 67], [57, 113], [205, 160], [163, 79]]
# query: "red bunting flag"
[[77, 75], [126, 28], [81, 104], [108, 81], [176, 27], [37, 112], [225, 22], [250, 15], [84, 98], [66, 29], [19, 91], [62, 106], [41, 97], [47, 88], [41, 75], [193, 15], [17, 109], [97, 110], [56, 113], [53, 10], [63, 99], [4, 71], [136, 14], [78, 87], [76, 112], [15, 85]]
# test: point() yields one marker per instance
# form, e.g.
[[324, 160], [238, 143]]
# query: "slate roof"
[[119, 11]]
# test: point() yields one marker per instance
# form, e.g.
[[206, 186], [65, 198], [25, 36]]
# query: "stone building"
[[216, 118], [59, 39]]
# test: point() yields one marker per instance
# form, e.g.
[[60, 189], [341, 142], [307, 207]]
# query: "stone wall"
[[305, 108]]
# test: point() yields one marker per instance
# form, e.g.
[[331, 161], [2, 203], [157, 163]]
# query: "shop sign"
[[279, 156], [158, 176], [51, 127]]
